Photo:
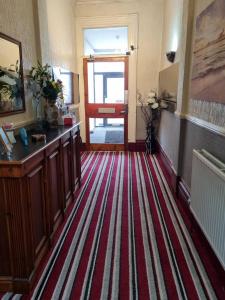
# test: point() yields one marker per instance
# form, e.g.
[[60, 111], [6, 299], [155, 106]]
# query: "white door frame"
[[131, 21]]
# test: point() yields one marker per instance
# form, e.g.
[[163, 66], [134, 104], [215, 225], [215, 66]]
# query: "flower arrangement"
[[43, 84], [53, 90], [150, 106]]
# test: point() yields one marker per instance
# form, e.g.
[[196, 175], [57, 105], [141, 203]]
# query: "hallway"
[[124, 238]]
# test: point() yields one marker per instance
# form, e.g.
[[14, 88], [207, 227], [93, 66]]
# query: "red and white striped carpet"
[[124, 238]]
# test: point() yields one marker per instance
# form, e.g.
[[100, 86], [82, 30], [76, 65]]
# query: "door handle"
[[124, 112]]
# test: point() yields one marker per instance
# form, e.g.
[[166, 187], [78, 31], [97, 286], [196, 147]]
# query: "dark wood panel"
[[66, 152], [78, 157], [5, 266], [16, 205], [38, 208], [34, 194], [76, 170], [74, 162], [54, 189]]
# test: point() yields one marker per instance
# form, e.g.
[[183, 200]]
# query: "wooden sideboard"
[[36, 186]]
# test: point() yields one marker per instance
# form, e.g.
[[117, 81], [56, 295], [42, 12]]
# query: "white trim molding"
[[131, 21]]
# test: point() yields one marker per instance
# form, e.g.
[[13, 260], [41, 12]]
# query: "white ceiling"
[[106, 40]]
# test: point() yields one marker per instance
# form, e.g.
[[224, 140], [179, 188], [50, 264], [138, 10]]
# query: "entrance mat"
[[114, 137]]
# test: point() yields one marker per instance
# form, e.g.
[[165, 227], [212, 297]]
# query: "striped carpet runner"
[[124, 238]]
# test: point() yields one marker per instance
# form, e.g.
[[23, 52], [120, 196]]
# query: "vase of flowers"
[[44, 86], [52, 93], [150, 107]]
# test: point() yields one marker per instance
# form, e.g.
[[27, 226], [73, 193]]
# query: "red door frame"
[[91, 109]]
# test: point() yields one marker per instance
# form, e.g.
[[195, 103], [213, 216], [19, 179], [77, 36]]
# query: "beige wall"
[[16, 20], [57, 32], [171, 30]]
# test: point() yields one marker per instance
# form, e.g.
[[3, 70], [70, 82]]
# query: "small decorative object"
[[150, 107], [69, 119], [8, 126], [11, 137], [44, 86], [38, 137], [23, 136], [7, 146], [171, 56]]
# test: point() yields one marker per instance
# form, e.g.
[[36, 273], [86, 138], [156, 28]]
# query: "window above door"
[[106, 41]]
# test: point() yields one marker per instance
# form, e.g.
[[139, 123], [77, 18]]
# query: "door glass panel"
[[99, 122], [115, 121], [98, 88], [106, 82], [91, 94], [109, 66], [106, 130], [115, 95]]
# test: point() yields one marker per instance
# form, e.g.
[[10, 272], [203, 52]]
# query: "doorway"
[[106, 103]]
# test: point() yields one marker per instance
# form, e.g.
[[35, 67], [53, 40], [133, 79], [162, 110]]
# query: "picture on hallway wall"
[[208, 73]]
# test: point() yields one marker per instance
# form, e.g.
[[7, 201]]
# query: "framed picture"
[[5, 141], [208, 76]]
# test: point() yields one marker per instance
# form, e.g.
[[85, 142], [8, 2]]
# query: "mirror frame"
[[12, 40]]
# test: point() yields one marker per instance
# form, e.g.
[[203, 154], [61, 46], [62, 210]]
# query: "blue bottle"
[[23, 136]]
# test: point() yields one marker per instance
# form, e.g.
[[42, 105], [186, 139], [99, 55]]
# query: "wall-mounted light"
[[132, 48], [171, 56], [91, 58]]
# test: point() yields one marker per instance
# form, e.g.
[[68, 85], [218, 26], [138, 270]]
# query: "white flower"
[[155, 105], [150, 100]]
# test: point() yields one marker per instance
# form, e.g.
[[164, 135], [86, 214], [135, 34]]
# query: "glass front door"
[[106, 84]]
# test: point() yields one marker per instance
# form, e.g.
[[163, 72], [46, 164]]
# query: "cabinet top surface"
[[21, 152]]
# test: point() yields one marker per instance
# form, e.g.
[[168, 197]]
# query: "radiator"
[[208, 199]]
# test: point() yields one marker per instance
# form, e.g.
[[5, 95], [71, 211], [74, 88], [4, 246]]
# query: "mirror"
[[12, 98]]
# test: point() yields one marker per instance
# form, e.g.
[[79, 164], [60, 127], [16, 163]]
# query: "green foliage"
[[7, 90], [40, 74], [43, 84]]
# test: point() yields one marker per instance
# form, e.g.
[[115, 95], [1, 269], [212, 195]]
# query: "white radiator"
[[208, 199]]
